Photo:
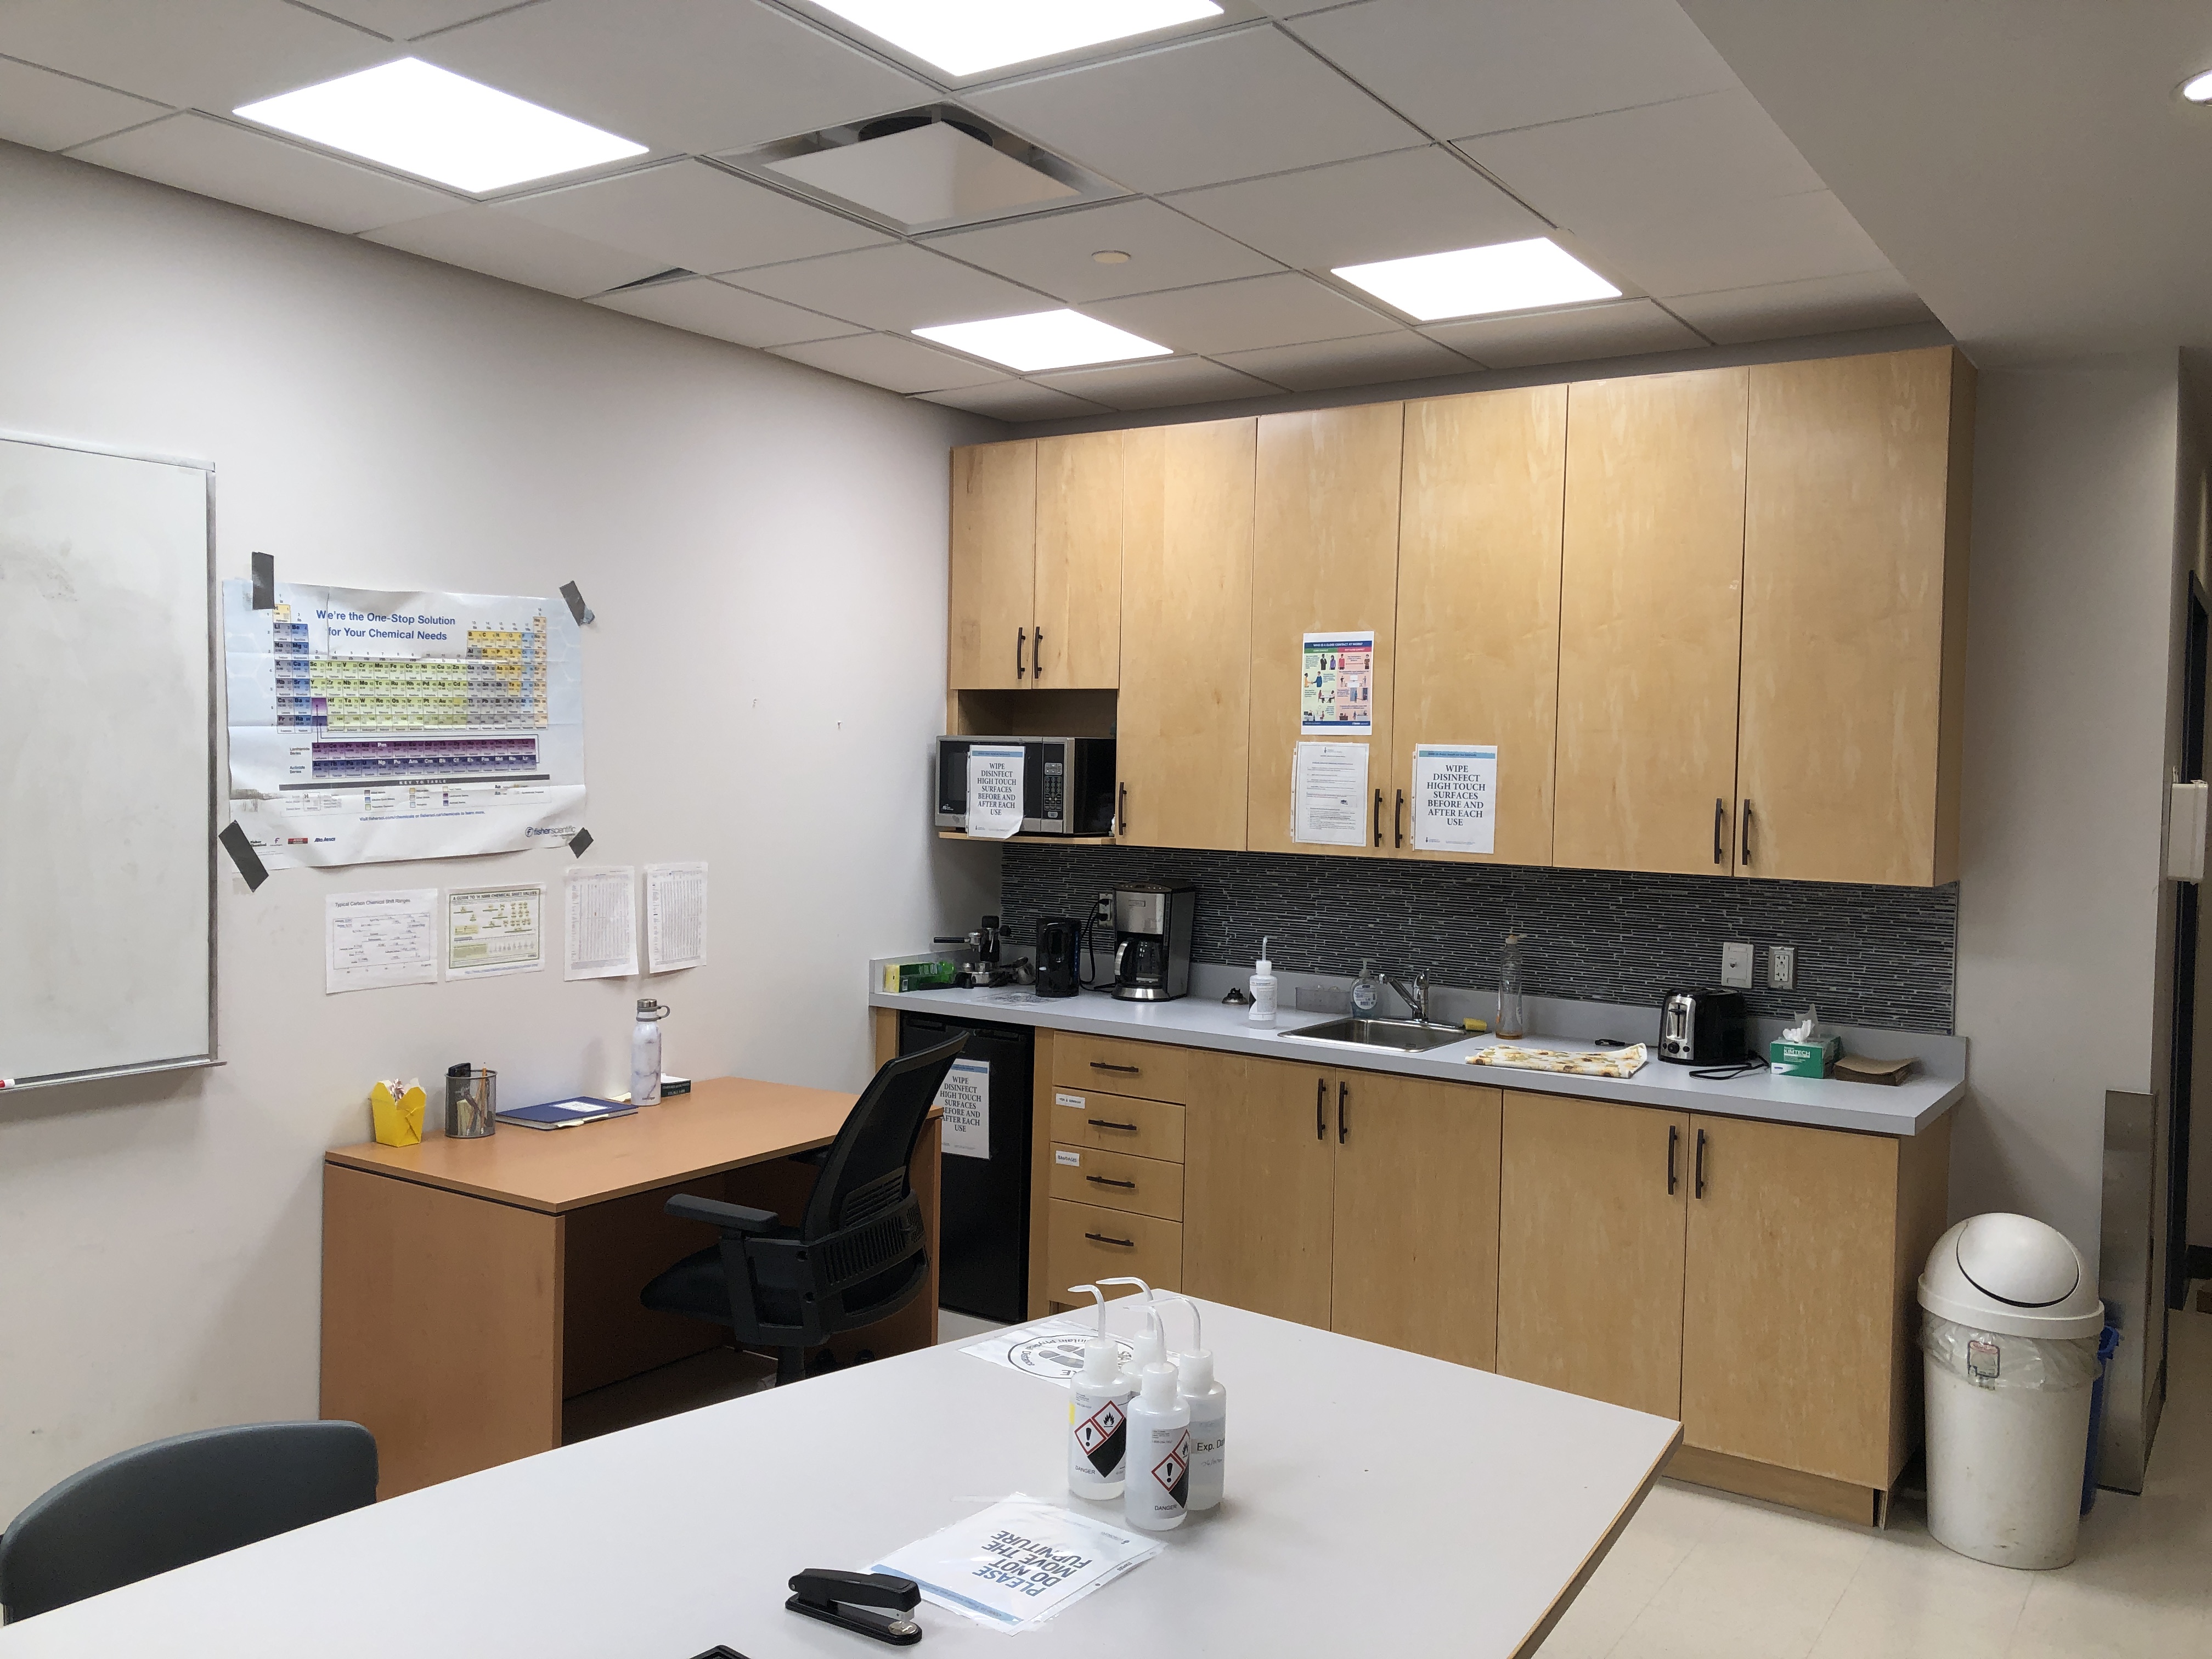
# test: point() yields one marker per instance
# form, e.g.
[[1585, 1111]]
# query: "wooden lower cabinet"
[[1085, 1242], [1591, 1200], [1259, 1171]]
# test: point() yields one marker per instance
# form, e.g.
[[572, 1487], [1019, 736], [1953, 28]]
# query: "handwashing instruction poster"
[[965, 1095], [1336, 684], [1455, 798]]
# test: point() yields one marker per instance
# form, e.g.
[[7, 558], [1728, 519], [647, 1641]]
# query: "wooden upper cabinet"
[[993, 558], [1478, 623], [1076, 640], [1325, 559], [1182, 714], [1650, 622], [1854, 618]]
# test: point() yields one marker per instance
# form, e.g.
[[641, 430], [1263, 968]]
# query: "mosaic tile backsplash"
[[1866, 955]]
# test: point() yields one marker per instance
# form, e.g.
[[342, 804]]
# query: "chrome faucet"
[[1416, 994]]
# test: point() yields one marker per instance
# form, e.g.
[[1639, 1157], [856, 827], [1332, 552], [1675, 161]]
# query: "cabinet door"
[[1788, 1301], [993, 557], [1325, 559], [1258, 1164], [1651, 581], [1186, 634], [1415, 1261], [1478, 646], [1078, 641], [1590, 1249], [1854, 605]]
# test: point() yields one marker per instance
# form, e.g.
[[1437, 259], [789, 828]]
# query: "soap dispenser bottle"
[[1263, 1010], [1158, 1495], [1207, 1402], [1097, 1413], [1367, 993]]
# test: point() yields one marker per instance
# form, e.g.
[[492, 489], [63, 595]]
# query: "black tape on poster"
[[243, 855], [581, 842], [583, 612], [264, 582]]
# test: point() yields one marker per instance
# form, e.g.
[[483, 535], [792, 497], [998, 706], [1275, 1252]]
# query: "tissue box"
[[1804, 1059]]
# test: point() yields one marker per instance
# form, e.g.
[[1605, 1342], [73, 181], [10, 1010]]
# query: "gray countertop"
[[1197, 1022]]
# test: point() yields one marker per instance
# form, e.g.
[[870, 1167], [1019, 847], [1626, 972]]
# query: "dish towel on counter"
[[1597, 1062]]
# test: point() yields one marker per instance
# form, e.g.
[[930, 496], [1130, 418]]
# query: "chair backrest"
[[865, 1171], [174, 1502]]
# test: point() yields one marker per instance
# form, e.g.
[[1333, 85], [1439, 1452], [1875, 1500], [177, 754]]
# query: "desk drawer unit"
[[1084, 1242], [1114, 1181], [1117, 1123], [1153, 1069]]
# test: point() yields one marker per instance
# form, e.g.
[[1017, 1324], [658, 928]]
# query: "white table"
[[1379, 1502]]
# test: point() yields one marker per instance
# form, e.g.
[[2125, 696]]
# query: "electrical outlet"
[[1102, 910], [1782, 967], [1735, 964]]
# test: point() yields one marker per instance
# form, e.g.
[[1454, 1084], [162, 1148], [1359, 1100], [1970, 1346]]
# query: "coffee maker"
[[1151, 948]]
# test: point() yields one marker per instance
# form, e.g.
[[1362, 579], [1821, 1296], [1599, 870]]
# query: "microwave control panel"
[[1055, 790]]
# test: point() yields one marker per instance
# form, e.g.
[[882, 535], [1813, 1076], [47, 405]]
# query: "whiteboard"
[[106, 762]]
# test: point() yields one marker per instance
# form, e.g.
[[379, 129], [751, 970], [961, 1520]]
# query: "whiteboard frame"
[[212, 1055]]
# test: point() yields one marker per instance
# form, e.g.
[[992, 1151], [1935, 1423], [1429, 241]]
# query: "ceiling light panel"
[[968, 37], [425, 120], [1479, 281], [1044, 339]]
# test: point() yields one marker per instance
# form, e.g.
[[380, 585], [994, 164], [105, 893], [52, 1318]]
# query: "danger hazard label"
[[1173, 1472], [1103, 1438]]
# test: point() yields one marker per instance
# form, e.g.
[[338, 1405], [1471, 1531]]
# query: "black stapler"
[[844, 1599]]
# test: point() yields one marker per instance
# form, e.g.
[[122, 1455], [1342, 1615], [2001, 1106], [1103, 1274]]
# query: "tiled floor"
[[1703, 1576]]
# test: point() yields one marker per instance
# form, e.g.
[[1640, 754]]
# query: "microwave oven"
[[1067, 784]]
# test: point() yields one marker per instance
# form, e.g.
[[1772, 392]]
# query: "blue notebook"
[[568, 1113]]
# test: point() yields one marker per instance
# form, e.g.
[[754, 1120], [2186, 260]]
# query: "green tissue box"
[[1804, 1059]]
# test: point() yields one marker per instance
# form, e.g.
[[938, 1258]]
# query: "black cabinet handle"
[[1746, 834], [1701, 1163], [1108, 1066], [1121, 810], [1320, 1108], [1103, 1123], [1104, 1238], [1398, 819], [1021, 644], [1036, 656], [1107, 1181], [1673, 1143], [1378, 817], [1720, 830], [1343, 1125]]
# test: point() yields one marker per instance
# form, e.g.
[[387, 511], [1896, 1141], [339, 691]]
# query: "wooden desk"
[[470, 1287]]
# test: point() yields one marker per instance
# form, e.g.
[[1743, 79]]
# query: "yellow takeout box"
[[397, 1108]]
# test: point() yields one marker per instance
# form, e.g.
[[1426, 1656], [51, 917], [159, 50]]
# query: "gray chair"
[[174, 1502]]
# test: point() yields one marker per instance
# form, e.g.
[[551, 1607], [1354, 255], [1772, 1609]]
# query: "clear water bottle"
[[1512, 1017], [645, 1053]]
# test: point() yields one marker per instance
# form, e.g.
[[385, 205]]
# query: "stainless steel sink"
[[1408, 1036]]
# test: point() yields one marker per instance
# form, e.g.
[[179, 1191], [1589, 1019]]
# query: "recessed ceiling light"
[[2197, 89], [421, 119], [966, 37], [1475, 281], [1044, 339], [1111, 256]]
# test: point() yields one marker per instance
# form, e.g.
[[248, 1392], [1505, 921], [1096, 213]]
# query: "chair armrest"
[[730, 1217]]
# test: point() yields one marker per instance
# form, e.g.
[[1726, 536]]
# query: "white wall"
[[2070, 658], [765, 548]]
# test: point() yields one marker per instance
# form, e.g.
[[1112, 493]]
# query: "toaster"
[[1703, 1028]]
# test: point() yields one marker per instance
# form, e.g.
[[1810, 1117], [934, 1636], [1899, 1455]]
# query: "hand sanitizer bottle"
[[1157, 1497], [1263, 1010], [1098, 1413], [1367, 993], [645, 1053]]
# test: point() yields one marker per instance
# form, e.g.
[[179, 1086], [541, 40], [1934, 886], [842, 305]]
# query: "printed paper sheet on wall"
[[368, 725]]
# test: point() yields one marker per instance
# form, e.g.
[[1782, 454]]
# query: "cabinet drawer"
[[1157, 1070], [1117, 1123], [1084, 1243], [1116, 1180]]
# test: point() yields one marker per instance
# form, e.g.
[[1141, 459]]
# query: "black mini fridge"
[[983, 1218]]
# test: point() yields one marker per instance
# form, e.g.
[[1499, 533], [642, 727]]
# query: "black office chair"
[[174, 1502], [859, 1253]]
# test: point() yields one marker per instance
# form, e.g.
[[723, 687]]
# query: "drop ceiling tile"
[[1381, 207], [1621, 328], [212, 54], [892, 361], [1016, 400], [1789, 239], [1200, 113], [213, 158], [687, 75], [48, 111], [403, 19], [1242, 316], [898, 287], [478, 238], [686, 214], [1158, 384], [706, 306], [1823, 305], [1053, 253], [1456, 68], [1369, 360]]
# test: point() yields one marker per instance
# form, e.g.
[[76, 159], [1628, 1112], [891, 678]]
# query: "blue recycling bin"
[[2108, 1343]]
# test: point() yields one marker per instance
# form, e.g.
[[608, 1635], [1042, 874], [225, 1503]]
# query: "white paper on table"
[[1336, 683], [373, 940], [1329, 794], [1455, 798], [965, 1095], [1019, 1563], [494, 930], [602, 923], [994, 790], [674, 916], [1051, 1348]]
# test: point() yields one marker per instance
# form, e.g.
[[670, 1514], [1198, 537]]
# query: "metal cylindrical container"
[[471, 1101]]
